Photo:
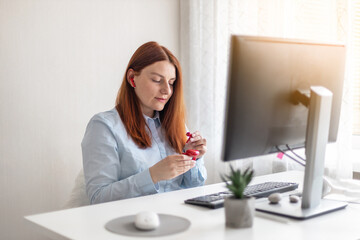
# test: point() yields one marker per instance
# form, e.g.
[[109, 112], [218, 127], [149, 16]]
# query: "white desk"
[[88, 222]]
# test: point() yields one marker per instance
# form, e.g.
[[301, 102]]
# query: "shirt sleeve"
[[196, 176], [102, 167]]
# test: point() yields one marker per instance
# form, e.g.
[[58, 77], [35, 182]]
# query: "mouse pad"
[[169, 224]]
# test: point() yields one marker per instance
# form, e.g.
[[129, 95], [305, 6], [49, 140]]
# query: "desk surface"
[[88, 222]]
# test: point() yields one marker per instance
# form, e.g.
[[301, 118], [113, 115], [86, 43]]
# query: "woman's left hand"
[[197, 142]]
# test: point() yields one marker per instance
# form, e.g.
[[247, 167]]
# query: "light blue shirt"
[[116, 168]]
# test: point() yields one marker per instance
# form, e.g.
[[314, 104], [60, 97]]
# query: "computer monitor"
[[268, 78], [263, 76]]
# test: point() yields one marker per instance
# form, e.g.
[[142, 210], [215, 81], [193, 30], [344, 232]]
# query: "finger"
[[202, 150], [201, 142], [186, 162], [200, 147], [195, 139], [195, 136], [182, 157], [186, 167], [196, 133]]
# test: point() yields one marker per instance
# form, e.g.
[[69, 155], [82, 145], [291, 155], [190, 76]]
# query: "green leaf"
[[238, 181]]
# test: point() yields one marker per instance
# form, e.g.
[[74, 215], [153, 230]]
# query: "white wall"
[[60, 63]]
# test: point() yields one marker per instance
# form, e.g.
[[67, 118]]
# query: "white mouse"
[[147, 220]]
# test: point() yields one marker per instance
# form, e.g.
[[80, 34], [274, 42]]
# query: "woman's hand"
[[170, 167], [197, 142]]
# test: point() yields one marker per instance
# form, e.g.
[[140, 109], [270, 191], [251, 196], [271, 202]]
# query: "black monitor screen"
[[264, 73]]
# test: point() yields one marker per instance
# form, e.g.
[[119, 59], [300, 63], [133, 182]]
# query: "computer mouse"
[[147, 220]]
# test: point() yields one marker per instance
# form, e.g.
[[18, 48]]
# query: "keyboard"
[[216, 200]]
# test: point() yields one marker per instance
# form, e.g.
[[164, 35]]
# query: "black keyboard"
[[216, 200]]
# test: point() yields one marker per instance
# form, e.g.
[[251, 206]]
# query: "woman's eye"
[[157, 81]]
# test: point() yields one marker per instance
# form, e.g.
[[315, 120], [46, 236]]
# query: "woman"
[[136, 148]]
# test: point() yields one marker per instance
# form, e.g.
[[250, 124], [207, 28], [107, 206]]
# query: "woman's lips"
[[163, 100]]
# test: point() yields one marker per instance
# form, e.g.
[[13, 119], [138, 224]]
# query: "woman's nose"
[[166, 88]]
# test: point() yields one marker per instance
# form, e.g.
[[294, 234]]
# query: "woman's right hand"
[[170, 167]]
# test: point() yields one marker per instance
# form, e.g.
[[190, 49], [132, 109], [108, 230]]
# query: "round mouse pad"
[[169, 224]]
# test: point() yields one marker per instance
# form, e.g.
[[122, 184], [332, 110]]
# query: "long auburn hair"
[[172, 117]]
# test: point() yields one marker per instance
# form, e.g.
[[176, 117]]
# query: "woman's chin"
[[159, 108]]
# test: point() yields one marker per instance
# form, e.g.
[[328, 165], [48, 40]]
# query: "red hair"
[[172, 117]]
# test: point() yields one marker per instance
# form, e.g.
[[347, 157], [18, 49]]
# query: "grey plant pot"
[[239, 213]]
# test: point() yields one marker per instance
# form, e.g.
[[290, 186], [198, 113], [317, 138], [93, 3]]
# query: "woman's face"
[[154, 86]]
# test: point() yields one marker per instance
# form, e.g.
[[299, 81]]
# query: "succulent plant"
[[238, 181]]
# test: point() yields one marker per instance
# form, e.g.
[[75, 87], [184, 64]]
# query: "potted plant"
[[239, 209]]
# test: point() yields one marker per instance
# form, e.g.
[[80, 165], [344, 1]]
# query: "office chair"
[[78, 196]]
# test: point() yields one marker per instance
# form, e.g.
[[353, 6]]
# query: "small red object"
[[189, 135], [280, 155], [133, 82], [192, 153]]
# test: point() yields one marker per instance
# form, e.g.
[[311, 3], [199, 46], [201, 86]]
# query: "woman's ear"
[[130, 77]]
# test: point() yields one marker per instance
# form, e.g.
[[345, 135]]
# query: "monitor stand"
[[294, 210], [317, 134]]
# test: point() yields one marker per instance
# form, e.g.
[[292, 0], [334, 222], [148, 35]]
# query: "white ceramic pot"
[[239, 213]]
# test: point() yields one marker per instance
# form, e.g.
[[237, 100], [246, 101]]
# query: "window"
[[355, 59]]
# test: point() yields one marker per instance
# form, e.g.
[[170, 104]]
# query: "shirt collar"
[[156, 118]]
